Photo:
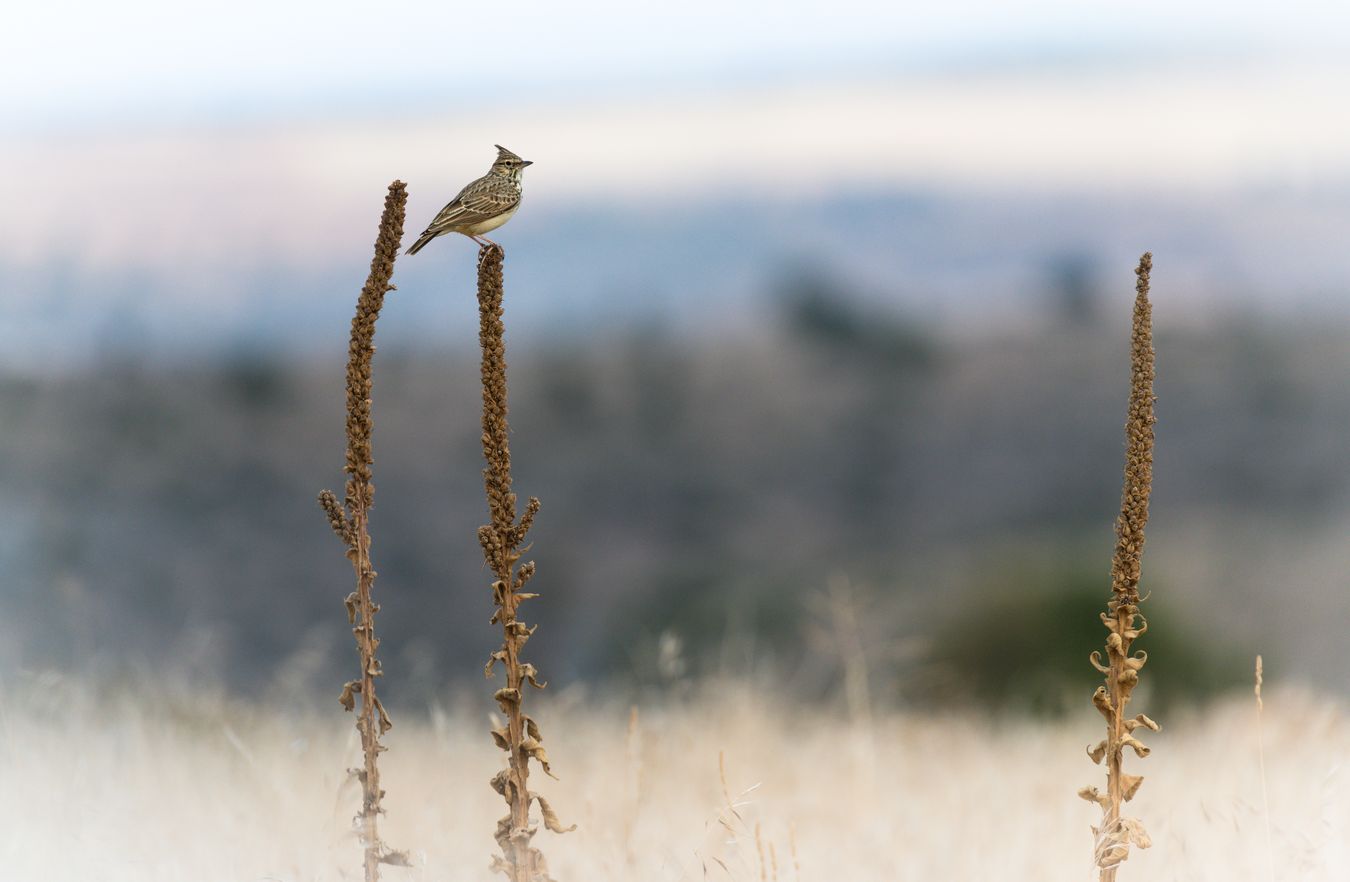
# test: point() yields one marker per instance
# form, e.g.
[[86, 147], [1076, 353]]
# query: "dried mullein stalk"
[[350, 521], [1123, 622], [501, 540]]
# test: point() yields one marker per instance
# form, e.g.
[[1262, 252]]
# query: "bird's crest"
[[508, 160]]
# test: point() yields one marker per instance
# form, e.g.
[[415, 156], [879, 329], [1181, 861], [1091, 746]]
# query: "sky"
[[290, 187], [172, 155], [82, 63]]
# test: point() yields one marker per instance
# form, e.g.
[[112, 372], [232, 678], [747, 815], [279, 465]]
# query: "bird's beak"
[[525, 162]]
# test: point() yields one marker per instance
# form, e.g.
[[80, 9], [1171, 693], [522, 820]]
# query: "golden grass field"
[[730, 781], [150, 788]]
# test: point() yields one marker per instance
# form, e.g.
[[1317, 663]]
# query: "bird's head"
[[508, 163]]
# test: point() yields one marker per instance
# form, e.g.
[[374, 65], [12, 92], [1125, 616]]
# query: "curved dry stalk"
[[501, 540], [1123, 622], [350, 521]]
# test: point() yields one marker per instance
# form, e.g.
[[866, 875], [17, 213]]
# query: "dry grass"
[[723, 786], [153, 789]]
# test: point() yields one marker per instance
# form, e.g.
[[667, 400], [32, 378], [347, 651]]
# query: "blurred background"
[[817, 317]]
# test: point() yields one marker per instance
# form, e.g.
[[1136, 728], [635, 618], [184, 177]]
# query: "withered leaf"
[[535, 750], [550, 817], [502, 783], [1101, 699], [1091, 794], [1140, 749], [1142, 720], [532, 675], [385, 723], [1136, 833]]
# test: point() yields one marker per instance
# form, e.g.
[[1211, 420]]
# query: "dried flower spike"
[[501, 540], [1123, 622], [350, 521]]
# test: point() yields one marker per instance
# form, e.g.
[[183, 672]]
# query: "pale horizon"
[[301, 190]]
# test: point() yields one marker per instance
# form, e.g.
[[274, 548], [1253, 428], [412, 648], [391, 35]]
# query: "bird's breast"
[[490, 224]]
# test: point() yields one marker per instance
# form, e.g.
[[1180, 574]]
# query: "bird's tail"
[[422, 240]]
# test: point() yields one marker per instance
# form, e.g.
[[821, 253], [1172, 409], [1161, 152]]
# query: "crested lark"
[[483, 205]]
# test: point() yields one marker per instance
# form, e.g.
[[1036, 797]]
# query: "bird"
[[483, 205]]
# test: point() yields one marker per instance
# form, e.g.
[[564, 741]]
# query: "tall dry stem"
[[501, 539], [1261, 757], [1123, 622], [351, 522]]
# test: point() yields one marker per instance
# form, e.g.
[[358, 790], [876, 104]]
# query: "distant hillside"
[[960, 263], [691, 486]]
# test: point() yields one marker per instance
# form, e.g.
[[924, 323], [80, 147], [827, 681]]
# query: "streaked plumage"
[[483, 205]]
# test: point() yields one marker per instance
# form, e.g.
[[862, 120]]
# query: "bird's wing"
[[479, 201]]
